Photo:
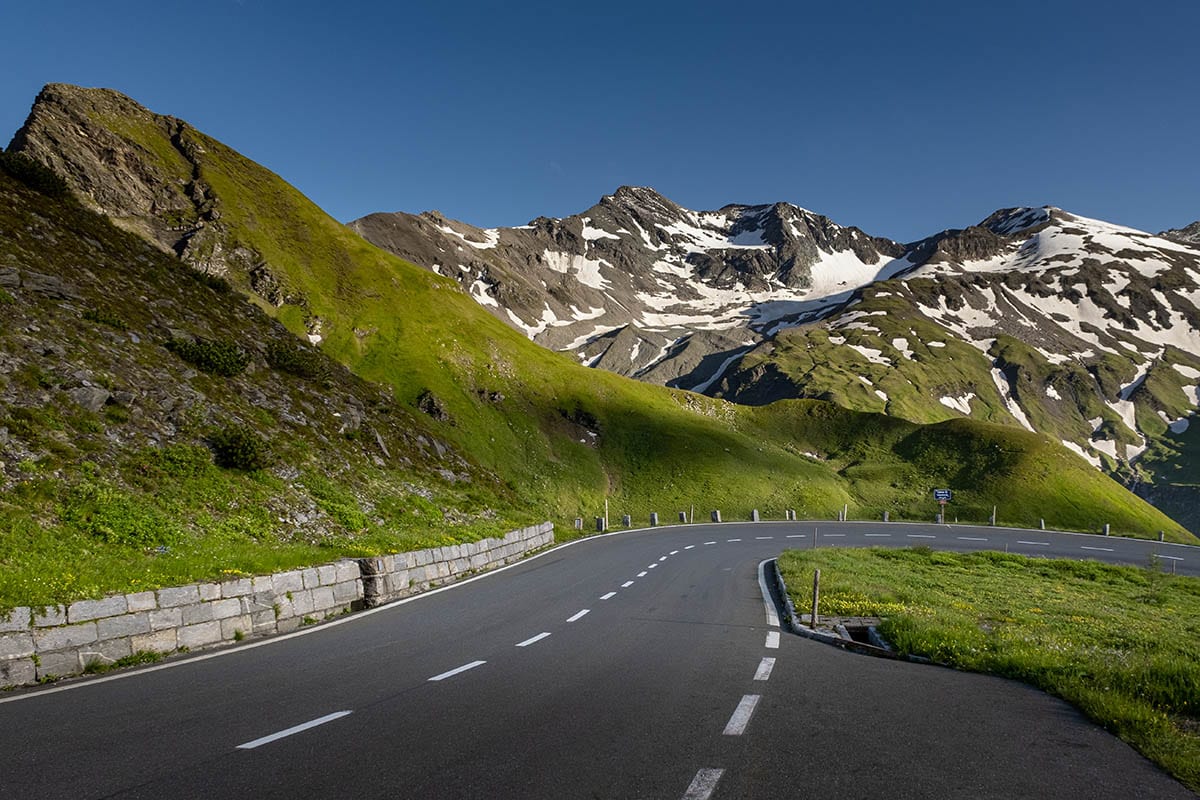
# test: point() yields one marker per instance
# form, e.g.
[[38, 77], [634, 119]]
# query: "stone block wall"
[[387, 578], [57, 641]]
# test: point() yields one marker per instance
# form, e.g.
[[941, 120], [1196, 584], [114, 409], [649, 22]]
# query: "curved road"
[[639, 665]]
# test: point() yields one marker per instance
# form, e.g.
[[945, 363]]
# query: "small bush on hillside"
[[105, 318], [215, 356], [238, 447], [297, 359], [214, 282], [33, 174]]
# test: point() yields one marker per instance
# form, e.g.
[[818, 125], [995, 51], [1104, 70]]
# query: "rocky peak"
[[1188, 234]]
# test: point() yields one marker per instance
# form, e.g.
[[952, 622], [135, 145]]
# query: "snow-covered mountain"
[[1077, 328]]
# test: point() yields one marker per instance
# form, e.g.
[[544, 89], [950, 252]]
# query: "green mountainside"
[[162, 418]]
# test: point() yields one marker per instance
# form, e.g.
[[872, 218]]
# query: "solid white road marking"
[[642, 574], [764, 669], [703, 785], [741, 715], [920, 536], [457, 670], [877, 535], [972, 538], [578, 615], [1173, 558], [773, 640], [1043, 544], [772, 617], [608, 596], [1105, 549], [533, 639], [690, 547], [294, 729], [626, 584]]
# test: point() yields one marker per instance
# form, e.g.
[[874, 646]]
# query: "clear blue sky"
[[900, 117]]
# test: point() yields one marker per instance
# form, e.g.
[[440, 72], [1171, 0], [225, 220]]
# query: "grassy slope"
[[1121, 643]]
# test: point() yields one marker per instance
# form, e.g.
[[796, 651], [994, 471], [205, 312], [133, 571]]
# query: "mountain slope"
[[496, 428]]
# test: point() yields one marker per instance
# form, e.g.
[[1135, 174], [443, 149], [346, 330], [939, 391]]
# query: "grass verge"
[[1120, 643]]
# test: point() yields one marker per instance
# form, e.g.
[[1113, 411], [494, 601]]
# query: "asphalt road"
[[640, 665]]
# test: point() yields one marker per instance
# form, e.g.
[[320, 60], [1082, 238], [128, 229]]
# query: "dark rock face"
[[1188, 234]]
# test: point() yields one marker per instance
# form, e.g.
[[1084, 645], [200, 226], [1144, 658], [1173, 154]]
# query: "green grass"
[[1120, 643]]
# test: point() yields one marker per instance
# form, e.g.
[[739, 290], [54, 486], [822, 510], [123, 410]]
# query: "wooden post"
[[816, 598]]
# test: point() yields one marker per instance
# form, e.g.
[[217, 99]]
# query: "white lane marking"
[[1105, 549], [773, 640], [533, 639], [1173, 558], [764, 669], [312, 723], [833, 535], [608, 596], [760, 538], [641, 574], [710, 542], [795, 536], [673, 552], [664, 558], [626, 584], [741, 715], [1043, 544], [690, 547], [920, 536], [972, 538], [457, 670], [703, 785], [877, 535], [772, 617], [578, 615], [733, 540], [652, 566]]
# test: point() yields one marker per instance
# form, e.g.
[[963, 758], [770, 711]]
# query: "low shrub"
[[239, 447], [215, 356], [298, 359]]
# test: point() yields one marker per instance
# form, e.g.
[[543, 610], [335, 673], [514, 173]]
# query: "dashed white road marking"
[[703, 785], [760, 538], [795, 535], [733, 540], [741, 715], [690, 547], [673, 552], [578, 615], [663, 558], [877, 535], [533, 639], [773, 640], [764, 669], [457, 670], [1043, 544], [294, 729], [1105, 549], [608, 596], [710, 542], [972, 538], [920, 536], [626, 584], [641, 574], [651, 566]]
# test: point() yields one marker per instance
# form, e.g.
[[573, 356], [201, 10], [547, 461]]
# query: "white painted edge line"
[[773, 640], [1043, 544], [877, 535], [703, 785], [626, 584], [972, 539], [741, 715], [690, 547], [608, 596], [1105, 549], [920, 536], [1173, 558], [533, 639], [772, 616], [764, 669], [579, 615], [457, 670], [312, 723], [642, 574]]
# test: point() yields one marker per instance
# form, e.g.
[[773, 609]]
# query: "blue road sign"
[[942, 494]]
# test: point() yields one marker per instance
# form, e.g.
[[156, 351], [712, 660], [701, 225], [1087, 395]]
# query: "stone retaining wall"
[[56, 641], [387, 578]]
